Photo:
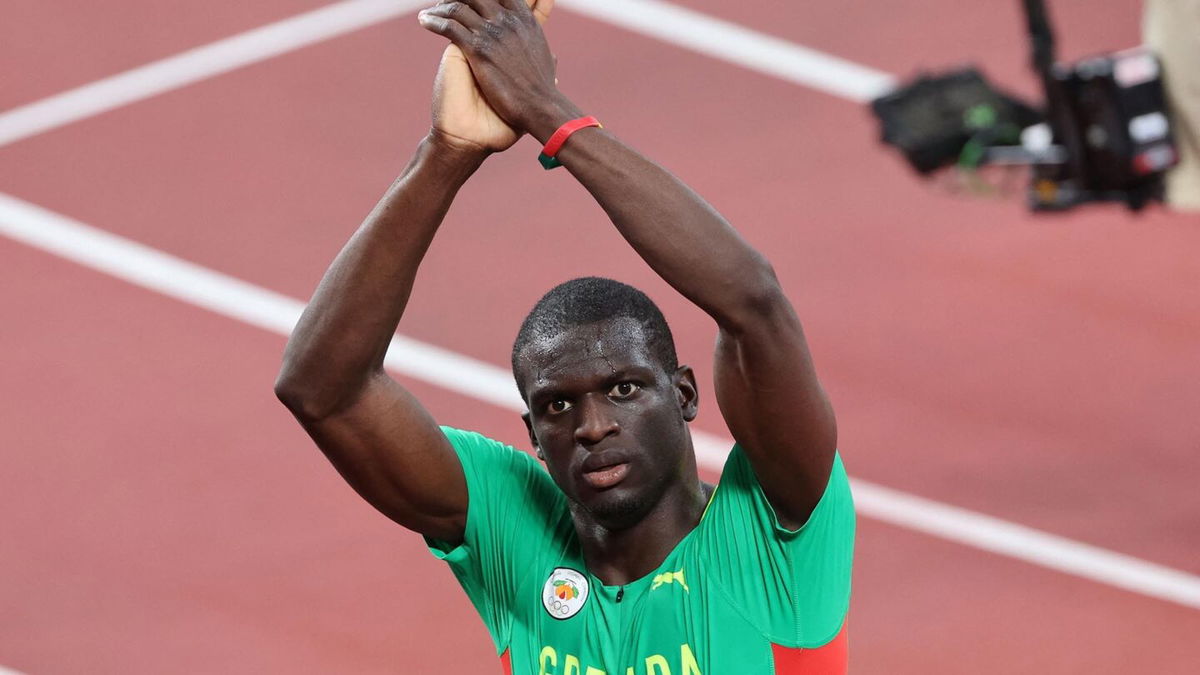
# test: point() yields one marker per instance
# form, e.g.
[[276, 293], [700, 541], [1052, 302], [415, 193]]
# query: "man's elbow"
[[760, 300], [290, 391], [301, 396]]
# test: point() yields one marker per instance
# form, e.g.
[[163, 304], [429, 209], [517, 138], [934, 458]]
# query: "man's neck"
[[617, 557]]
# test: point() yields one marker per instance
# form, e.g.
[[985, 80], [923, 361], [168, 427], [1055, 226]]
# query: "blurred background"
[[1017, 393]]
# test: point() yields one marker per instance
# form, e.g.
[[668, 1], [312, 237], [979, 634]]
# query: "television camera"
[[1102, 133]]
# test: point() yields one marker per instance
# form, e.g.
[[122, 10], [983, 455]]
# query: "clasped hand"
[[496, 79]]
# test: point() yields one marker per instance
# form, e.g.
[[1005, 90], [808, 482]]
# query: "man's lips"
[[606, 477]]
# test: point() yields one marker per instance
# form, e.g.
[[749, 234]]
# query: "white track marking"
[[1018, 541], [177, 278], [9, 671], [223, 294], [666, 22], [739, 45], [198, 64]]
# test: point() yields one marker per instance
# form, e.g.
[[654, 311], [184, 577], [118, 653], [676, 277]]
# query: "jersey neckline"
[[645, 579]]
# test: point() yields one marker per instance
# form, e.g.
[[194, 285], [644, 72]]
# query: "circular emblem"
[[564, 593]]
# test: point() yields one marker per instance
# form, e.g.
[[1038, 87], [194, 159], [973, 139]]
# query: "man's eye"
[[623, 390], [558, 406]]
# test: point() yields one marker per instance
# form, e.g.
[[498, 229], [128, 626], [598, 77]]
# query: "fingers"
[[447, 28], [522, 7], [454, 20], [488, 9], [474, 14]]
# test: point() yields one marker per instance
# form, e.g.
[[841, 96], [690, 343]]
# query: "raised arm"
[[765, 381], [374, 432]]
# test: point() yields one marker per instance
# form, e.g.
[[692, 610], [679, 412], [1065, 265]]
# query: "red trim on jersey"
[[830, 659], [506, 663]]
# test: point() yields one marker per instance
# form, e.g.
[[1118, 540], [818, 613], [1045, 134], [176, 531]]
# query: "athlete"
[[615, 559]]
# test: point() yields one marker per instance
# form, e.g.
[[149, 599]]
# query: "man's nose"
[[595, 421]]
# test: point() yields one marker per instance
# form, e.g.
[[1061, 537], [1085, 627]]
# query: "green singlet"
[[739, 595]]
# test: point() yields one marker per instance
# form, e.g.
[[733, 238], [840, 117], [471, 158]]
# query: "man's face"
[[608, 420]]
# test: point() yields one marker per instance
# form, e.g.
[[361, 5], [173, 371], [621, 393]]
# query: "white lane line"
[[237, 299], [177, 278], [1018, 541], [9, 671], [663, 21], [739, 45], [198, 64]]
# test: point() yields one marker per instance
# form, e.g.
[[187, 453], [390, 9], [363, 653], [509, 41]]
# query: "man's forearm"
[[343, 335], [684, 239]]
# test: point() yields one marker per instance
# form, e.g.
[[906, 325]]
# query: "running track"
[[162, 513]]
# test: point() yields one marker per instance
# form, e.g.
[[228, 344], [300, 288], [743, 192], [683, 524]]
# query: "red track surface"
[[162, 513]]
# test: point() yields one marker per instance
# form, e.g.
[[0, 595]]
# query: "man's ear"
[[532, 438], [687, 393]]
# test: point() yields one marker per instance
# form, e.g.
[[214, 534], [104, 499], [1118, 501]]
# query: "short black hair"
[[588, 300]]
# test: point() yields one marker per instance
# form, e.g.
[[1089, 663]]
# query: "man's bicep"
[[776, 410], [390, 450]]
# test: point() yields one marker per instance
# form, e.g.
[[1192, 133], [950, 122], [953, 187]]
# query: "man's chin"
[[617, 509]]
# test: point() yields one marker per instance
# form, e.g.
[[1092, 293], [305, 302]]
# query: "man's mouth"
[[606, 477]]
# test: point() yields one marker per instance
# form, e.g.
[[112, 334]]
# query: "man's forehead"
[[603, 345]]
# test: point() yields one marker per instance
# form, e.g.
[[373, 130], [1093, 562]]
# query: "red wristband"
[[560, 136]]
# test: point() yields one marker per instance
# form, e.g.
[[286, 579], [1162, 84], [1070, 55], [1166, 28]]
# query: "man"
[[618, 561]]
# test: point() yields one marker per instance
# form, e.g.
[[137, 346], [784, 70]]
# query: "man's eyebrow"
[[541, 386], [545, 394], [632, 369]]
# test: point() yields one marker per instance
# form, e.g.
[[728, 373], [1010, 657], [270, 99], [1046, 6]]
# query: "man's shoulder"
[[490, 464], [739, 491], [475, 443]]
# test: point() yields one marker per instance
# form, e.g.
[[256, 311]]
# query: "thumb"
[[453, 53], [541, 9]]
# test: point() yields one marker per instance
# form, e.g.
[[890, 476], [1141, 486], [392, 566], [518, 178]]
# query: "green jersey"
[[739, 594]]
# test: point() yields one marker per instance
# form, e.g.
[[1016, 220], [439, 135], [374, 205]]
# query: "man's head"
[[608, 402]]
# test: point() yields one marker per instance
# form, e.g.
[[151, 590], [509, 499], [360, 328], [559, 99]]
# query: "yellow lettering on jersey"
[[690, 667], [657, 665]]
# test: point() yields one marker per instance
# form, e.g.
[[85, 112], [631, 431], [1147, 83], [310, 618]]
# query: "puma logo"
[[670, 578]]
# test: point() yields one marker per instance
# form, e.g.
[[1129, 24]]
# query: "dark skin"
[[495, 83], [598, 398]]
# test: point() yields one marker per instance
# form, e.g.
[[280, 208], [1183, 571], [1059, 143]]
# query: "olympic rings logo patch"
[[564, 593]]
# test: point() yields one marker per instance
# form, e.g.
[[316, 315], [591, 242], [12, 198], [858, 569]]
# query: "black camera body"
[[930, 120], [1115, 114], [1105, 130]]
